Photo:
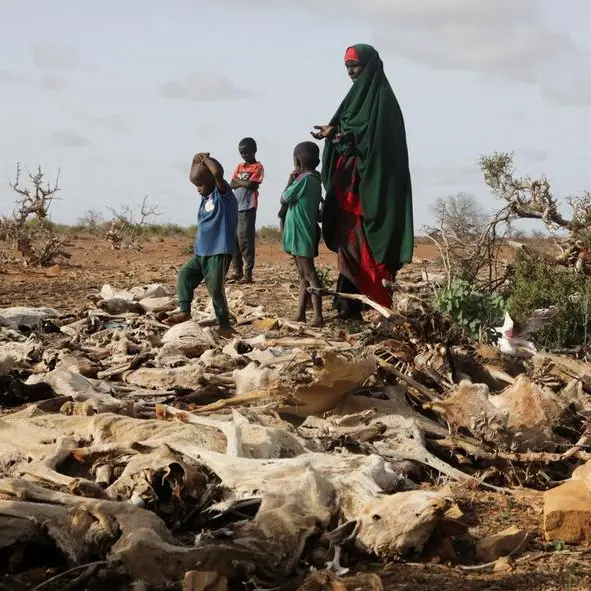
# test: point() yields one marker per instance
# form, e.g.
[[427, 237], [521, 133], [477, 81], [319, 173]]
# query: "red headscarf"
[[351, 55]]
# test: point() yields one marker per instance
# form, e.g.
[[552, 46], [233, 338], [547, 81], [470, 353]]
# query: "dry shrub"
[[29, 228], [129, 223]]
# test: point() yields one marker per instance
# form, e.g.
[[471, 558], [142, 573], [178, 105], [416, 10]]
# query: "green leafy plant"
[[541, 284], [476, 312], [325, 275], [559, 545]]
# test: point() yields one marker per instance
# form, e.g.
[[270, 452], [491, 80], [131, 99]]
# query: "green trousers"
[[212, 270]]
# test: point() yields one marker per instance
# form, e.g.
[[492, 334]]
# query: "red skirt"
[[356, 261]]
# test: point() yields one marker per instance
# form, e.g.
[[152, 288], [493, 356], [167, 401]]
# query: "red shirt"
[[247, 199]]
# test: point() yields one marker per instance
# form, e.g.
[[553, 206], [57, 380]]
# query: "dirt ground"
[[66, 287], [94, 263]]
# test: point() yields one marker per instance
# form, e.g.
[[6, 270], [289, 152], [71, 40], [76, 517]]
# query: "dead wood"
[[426, 394], [302, 435], [385, 312], [507, 458], [29, 228], [327, 581], [90, 569]]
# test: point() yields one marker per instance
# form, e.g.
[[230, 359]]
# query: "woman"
[[368, 217]]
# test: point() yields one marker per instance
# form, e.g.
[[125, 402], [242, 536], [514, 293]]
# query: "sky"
[[118, 96]]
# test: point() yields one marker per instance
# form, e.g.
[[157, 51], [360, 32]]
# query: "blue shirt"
[[217, 220]]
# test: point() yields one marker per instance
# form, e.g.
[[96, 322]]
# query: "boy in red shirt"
[[245, 183]]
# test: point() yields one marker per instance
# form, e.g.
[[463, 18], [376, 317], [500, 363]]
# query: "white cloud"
[[510, 39], [202, 86], [51, 56], [69, 139], [497, 35], [53, 82], [503, 38], [9, 78]]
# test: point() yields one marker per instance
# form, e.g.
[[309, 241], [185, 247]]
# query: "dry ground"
[[93, 263]]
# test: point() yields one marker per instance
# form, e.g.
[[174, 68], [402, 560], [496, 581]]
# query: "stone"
[[266, 324], [583, 473], [567, 513], [504, 543], [503, 565], [204, 581], [53, 271]]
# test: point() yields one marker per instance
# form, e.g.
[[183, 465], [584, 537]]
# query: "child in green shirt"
[[301, 203]]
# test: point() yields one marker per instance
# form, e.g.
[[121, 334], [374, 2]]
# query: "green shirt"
[[303, 201]]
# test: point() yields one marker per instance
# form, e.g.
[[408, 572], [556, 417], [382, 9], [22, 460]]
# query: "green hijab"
[[371, 116]]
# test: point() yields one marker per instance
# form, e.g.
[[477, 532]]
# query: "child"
[[215, 244], [246, 181], [301, 235], [282, 213]]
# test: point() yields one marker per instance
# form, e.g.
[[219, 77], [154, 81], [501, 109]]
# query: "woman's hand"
[[324, 131]]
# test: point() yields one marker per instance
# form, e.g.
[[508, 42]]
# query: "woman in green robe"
[[368, 217]]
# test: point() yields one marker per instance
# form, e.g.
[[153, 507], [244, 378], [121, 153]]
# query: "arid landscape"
[[448, 557], [441, 441], [95, 263], [431, 430]]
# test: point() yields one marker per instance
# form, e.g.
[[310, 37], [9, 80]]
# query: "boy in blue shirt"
[[217, 220]]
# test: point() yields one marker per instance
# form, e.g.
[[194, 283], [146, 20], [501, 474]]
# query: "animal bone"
[[68, 383], [29, 318], [470, 407], [332, 375]]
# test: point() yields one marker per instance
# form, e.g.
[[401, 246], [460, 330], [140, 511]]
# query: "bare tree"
[[29, 227], [469, 241], [527, 198], [460, 214], [128, 224], [474, 254], [91, 219]]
